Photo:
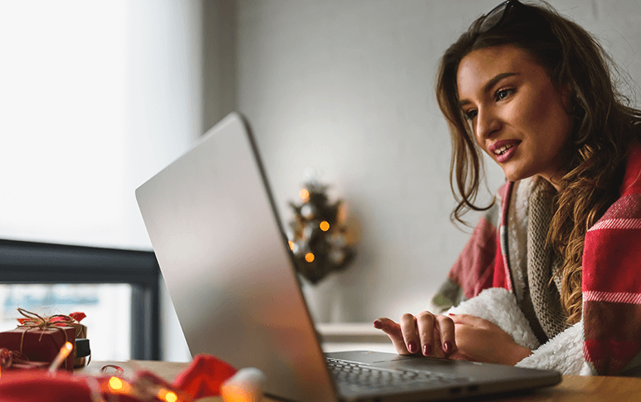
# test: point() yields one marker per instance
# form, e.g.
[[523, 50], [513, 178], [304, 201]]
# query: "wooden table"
[[572, 388]]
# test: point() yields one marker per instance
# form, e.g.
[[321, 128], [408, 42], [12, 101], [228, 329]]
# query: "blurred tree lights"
[[318, 234]]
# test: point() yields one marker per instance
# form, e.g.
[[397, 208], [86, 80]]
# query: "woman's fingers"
[[410, 333], [393, 331], [446, 330], [425, 334], [425, 323]]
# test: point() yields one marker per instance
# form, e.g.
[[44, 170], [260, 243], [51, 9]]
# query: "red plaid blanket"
[[611, 272]]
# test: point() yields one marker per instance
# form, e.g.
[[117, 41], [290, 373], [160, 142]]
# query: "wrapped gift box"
[[40, 345]]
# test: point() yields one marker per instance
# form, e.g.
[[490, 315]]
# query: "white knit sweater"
[[563, 353]]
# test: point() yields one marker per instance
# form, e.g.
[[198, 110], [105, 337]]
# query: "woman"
[[534, 91]]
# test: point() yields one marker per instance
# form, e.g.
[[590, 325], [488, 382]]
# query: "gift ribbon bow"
[[33, 320]]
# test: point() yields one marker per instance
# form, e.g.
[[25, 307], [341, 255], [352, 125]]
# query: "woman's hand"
[[426, 334], [457, 336], [481, 341]]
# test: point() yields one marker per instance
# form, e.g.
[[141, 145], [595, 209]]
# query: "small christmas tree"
[[317, 235]]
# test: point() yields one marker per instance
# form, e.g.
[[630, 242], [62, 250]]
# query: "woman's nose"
[[486, 124]]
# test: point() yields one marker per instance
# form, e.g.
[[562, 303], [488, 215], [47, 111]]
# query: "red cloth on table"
[[202, 378]]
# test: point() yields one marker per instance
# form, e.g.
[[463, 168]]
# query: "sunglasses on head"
[[495, 17]]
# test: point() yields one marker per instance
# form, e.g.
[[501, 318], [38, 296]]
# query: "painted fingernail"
[[427, 350], [378, 324], [411, 347], [447, 346]]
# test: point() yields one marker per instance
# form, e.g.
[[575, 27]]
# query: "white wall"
[[346, 87], [164, 107]]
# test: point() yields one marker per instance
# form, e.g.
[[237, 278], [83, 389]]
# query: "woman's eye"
[[503, 93], [470, 115]]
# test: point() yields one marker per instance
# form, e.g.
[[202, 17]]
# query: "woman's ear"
[[568, 97]]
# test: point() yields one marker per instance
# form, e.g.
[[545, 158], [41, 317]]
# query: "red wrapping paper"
[[40, 345]]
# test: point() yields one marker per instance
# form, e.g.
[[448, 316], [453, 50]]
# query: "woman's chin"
[[512, 175]]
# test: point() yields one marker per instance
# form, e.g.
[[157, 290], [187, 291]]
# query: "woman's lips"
[[504, 150]]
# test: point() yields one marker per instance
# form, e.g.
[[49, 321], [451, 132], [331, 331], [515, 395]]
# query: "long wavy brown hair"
[[604, 125]]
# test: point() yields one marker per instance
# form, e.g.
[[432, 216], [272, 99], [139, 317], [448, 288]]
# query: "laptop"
[[216, 233]]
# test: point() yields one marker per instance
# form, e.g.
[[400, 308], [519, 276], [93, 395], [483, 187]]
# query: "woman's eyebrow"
[[488, 85]]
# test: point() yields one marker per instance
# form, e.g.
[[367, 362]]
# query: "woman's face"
[[516, 113]]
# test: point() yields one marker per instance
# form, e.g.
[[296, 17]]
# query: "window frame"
[[24, 262]]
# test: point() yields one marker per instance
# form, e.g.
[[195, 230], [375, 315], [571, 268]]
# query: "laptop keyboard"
[[362, 377]]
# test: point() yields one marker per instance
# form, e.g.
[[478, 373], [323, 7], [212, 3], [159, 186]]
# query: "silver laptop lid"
[[216, 235]]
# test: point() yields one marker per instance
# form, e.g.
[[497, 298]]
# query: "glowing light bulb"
[[291, 245], [167, 395], [309, 257], [324, 226], [304, 195], [171, 397], [61, 356], [115, 383]]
